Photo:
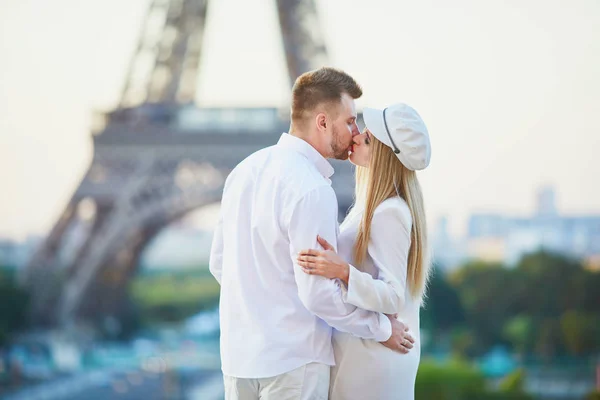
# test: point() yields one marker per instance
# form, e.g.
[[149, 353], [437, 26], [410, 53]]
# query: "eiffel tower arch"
[[156, 158]]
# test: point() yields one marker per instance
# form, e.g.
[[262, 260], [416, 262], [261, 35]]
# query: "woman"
[[384, 239]]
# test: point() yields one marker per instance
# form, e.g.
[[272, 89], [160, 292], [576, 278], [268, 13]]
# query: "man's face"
[[344, 128]]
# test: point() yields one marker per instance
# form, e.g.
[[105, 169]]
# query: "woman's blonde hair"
[[378, 183]]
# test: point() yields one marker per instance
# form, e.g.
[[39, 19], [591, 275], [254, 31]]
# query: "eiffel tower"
[[158, 157]]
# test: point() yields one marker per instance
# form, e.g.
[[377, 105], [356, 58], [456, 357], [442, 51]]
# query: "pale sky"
[[510, 91]]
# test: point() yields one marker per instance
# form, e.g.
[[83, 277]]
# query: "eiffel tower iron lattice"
[[157, 158]]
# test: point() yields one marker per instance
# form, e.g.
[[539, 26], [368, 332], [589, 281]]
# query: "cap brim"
[[374, 122]]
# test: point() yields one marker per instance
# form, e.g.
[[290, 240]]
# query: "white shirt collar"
[[292, 142]]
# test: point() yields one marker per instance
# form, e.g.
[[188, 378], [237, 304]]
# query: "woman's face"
[[361, 149]]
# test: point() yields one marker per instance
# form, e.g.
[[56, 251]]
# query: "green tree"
[[560, 300], [589, 293], [14, 303], [552, 280], [581, 332], [548, 305], [490, 294], [463, 341], [520, 332], [443, 310]]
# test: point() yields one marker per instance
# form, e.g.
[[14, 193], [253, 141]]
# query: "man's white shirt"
[[274, 317]]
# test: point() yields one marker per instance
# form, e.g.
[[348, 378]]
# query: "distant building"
[[499, 237], [7, 253], [15, 254], [447, 251]]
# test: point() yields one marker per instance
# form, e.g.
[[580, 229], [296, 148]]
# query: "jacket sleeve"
[[215, 263], [316, 214], [388, 247]]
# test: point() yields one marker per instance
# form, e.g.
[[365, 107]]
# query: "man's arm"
[[215, 264], [316, 214]]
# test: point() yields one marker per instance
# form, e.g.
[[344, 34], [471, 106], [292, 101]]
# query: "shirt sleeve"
[[316, 214], [215, 263], [389, 245]]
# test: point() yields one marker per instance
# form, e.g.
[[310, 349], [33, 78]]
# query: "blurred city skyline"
[[508, 90]]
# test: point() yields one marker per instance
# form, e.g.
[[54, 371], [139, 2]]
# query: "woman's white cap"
[[401, 128]]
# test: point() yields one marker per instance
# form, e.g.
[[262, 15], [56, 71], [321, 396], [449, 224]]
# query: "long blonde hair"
[[378, 183]]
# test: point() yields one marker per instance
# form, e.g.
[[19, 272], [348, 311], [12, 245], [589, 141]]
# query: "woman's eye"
[[367, 140]]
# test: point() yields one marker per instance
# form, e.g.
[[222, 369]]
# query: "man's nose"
[[355, 130]]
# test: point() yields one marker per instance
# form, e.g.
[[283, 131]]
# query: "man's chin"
[[342, 156]]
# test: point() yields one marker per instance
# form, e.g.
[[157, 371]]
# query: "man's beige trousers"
[[309, 382]]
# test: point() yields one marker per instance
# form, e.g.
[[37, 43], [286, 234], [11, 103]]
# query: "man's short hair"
[[323, 85]]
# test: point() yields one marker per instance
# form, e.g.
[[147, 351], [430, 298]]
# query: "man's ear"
[[321, 120]]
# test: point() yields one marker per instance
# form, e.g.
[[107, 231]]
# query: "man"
[[275, 319]]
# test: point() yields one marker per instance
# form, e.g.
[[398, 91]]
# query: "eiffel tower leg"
[[303, 41], [108, 303], [42, 275], [117, 226], [100, 218], [52, 242]]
